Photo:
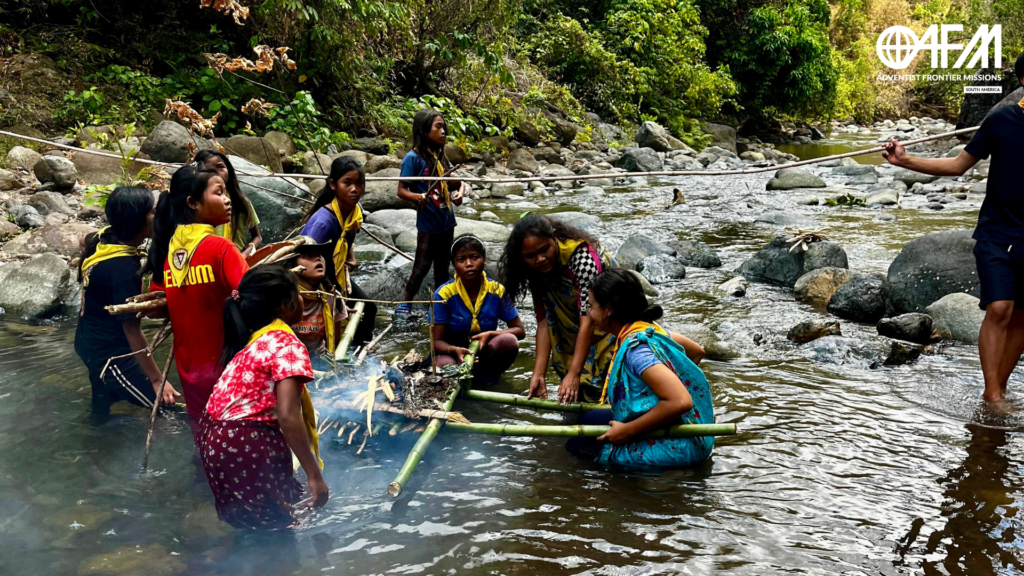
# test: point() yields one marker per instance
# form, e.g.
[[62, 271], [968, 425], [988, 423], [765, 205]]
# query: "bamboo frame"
[[540, 403], [582, 431], [341, 351]]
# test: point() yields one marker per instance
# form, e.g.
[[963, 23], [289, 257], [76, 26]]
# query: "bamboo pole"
[[540, 403], [341, 351], [679, 431], [469, 360], [152, 415]]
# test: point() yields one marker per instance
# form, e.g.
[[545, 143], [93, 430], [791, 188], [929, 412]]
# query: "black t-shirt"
[[100, 334], [1001, 136]]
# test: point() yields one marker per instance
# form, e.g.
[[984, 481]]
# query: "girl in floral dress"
[[260, 409]]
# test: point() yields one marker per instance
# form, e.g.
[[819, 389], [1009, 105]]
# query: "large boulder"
[[527, 133], [736, 286], [169, 142], [8, 181], [932, 266], [777, 265], [637, 247], [976, 107], [652, 135], [371, 146], [61, 240], [912, 327], [318, 163], [26, 216], [455, 154], [640, 160], [22, 158], [809, 330], [792, 178], [486, 231], [383, 194], [785, 219], [359, 155], [819, 285], [504, 189], [389, 284], [33, 289], [722, 136], [102, 170], [375, 164], [909, 177], [256, 150], [865, 298], [281, 142], [522, 159], [957, 316], [562, 130], [661, 268], [56, 169], [394, 221], [579, 220], [272, 198], [47, 203], [698, 254]]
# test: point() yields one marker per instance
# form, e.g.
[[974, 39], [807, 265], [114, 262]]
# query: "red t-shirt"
[[197, 315]]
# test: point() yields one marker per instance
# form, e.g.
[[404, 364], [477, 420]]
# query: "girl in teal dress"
[[653, 382]]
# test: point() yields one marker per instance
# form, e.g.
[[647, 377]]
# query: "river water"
[[840, 467]]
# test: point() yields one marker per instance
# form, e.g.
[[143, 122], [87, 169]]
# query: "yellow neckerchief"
[[106, 252], [627, 331], [566, 248], [443, 183], [183, 245], [308, 413], [353, 222], [327, 311], [474, 309]]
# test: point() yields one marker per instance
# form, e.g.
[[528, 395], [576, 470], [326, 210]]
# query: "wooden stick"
[[391, 409], [386, 245], [158, 338], [350, 299], [366, 350], [152, 415], [341, 351], [679, 431], [144, 306], [516, 400], [148, 296]]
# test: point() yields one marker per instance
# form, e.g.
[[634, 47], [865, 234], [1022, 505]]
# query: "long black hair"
[[342, 165], [172, 209], [620, 290], [422, 123], [468, 241], [262, 293], [514, 273], [240, 203], [127, 210]]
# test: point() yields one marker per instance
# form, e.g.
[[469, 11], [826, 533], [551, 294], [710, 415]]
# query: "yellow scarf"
[[308, 413], [474, 309], [353, 222], [627, 331], [106, 252], [566, 248], [443, 184], [183, 245], [328, 311]]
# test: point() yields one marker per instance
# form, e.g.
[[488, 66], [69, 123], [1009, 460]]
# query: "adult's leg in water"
[[495, 358], [420, 265], [589, 448], [992, 347], [1012, 348], [364, 333]]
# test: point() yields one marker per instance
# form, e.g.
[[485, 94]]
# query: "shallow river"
[[840, 468]]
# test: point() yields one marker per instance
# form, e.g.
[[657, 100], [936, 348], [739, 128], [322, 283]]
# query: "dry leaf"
[[257, 106], [228, 7]]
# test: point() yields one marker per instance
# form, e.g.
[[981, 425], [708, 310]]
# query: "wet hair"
[[342, 165], [422, 123], [620, 290], [1018, 67], [262, 293], [514, 273], [468, 241], [172, 209], [126, 211], [238, 198]]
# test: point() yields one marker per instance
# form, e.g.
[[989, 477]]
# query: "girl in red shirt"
[[260, 409], [198, 270]]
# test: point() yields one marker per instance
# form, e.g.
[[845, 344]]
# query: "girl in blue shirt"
[[471, 308]]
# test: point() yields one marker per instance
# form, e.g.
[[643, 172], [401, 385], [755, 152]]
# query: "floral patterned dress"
[[632, 398]]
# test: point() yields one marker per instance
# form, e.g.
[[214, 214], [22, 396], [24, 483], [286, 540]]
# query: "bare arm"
[[674, 400], [694, 351], [289, 418], [137, 341], [257, 237], [538, 385], [897, 155], [410, 196], [442, 347]]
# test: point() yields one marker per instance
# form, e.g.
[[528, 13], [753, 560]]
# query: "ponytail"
[[621, 291], [261, 294]]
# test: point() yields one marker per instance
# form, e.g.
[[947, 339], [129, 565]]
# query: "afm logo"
[[202, 274], [897, 46]]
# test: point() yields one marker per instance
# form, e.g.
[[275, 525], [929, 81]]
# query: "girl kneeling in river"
[[653, 382], [472, 305], [557, 263], [259, 408]]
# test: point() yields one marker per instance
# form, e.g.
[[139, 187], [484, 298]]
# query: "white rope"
[[532, 178]]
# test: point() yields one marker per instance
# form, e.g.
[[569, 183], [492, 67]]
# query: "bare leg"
[[1013, 348], [991, 346]]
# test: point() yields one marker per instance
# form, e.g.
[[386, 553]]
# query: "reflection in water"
[[980, 509]]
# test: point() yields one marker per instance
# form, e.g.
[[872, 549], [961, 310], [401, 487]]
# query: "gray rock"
[[957, 316], [527, 133], [406, 240], [102, 170], [371, 252], [639, 160], [281, 142], [935, 206], [909, 177], [26, 216], [546, 154], [489, 216], [256, 150], [486, 231], [359, 155], [22, 158], [751, 156], [169, 142], [882, 198], [371, 146], [8, 229], [278, 214], [661, 268], [697, 254], [819, 285], [576, 219], [901, 353], [455, 154], [562, 129], [736, 286], [931, 267], [863, 179], [8, 181], [375, 164], [652, 135], [318, 163], [776, 264], [955, 151], [503, 190], [638, 247], [792, 178], [522, 159], [912, 327], [47, 203], [784, 219], [394, 221], [865, 298], [389, 284], [56, 169], [854, 170], [383, 194], [33, 289], [610, 131], [649, 290], [809, 330], [722, 135], [809, 200]]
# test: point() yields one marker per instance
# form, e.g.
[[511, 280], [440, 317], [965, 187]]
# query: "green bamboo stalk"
[[679, 431], [467, 381], [418, 449], [341, 351], [516, 400]]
